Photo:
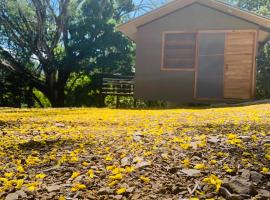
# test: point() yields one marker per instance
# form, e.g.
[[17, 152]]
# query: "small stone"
[[191, 172], [21, 193], [142, 164], [153, 196], [118, 197], [52, 188], [79, 178], [59, 125], [235, 197], [244, 138], [136, 196], [213, 140], [12, 196], [130, 189], [104, 191], [125, 161], [137, 137], [256, 177], [194, 145], [245, 174], [240, 186], [91, 197], [264, 194]]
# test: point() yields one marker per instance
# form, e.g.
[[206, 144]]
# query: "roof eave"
[[130, 28]]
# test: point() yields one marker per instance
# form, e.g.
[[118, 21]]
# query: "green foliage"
[[13, 90], [263, 73], [42, 98], [128, 102], [47, 41], [261, 7], [78, 90]]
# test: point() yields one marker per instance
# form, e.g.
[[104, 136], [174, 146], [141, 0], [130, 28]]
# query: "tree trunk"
[[57, 97], [56, 82]]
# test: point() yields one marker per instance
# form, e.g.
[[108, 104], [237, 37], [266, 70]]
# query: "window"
[[179, 51]]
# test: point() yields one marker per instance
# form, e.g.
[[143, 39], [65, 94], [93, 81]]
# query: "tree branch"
[[9, 63]]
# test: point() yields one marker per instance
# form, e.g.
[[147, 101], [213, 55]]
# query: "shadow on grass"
[[45, 145]]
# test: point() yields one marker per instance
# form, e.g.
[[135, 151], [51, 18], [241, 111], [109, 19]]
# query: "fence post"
[[117, 101], [134, 102]]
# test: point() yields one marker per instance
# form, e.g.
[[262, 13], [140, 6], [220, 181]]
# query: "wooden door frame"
[[253, 70]]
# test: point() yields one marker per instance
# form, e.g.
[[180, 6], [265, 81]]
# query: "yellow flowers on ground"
[[110, 167], [213, 180], [233, 139], [32, 186], [265, 170], [129, 169], [19, 183], [75, 175], [78, 186], [213, 162], [61, 198], [232, 136], [118, 170], [74, 159], [185, 146], [32, 160], [186, 162], [85, 164], [20, 169], [9, 174], [90, 173], [145, 179], [228, 169], [200, 166], [40, 176], [131, 151], [121, 191], [254, 138], [113, 183], [148, 153], [4, 180], [108, 158], [222, 154], [116, 177]]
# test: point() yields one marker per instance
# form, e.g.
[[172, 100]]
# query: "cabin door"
[[238, 65], [210, 65]]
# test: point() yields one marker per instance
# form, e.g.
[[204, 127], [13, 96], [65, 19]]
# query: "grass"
[[131, 154]]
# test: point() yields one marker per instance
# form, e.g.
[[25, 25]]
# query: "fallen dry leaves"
[[211, 153]]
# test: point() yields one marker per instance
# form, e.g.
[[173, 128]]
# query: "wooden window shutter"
[[179, 50]]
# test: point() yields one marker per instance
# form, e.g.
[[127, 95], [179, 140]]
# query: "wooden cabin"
[[196, 50]]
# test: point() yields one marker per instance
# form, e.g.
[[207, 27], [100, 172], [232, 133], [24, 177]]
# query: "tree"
[[143, 6], [44, 41], [261, 7], [12, 90]]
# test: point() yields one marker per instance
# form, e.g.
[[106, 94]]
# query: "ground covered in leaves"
[[209, 153]]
